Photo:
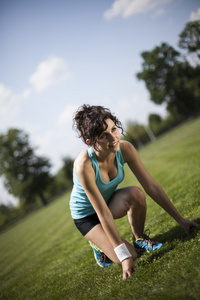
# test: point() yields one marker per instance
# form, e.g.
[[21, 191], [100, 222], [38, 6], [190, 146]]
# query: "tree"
[[63, 180], [158, 72], [26, 175], [68, 168], [190, 38], [155, 122], [136, 134], [171, 80]]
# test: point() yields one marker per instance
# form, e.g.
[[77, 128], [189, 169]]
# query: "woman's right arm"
[[86, 175]]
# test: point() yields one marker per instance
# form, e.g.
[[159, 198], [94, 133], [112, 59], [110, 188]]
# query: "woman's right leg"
[[98, 237]]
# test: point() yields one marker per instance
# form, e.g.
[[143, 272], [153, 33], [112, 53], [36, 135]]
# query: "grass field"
[[44, 257]]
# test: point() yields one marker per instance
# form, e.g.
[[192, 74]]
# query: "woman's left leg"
[[131, 201]]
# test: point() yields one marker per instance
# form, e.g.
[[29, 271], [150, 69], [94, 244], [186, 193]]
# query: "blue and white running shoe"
[[147, 244], [101, 259]]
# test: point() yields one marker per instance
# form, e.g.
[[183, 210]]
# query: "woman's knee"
[[136, 197]]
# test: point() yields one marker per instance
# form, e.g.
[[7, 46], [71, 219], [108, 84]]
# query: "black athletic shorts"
[[84, 225]]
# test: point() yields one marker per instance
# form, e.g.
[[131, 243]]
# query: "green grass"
[[44, 257]]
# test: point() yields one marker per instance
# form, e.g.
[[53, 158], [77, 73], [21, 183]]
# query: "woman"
[[95, 200]]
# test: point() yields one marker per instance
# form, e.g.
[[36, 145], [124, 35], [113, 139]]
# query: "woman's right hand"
[[128, 267]]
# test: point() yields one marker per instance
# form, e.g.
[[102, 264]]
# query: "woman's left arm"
[[152, 188]]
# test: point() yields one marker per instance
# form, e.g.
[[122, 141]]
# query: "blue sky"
[[58, 54]]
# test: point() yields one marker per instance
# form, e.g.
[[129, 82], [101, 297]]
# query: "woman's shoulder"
[[127, 149], [82, 162], [125, 145]]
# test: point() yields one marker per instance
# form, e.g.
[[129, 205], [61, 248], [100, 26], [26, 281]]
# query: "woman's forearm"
[[110, 228], [160, 197]]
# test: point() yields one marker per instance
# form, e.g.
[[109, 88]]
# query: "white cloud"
[[58, 143], [48, 144], [10, 104], [61, 141], [67, 114], [137, 108], [127, 8], [25, 94], [7, 98], [158, 13], [194, 16], [50, 72], [44, 140]]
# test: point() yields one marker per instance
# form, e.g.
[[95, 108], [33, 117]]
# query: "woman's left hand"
[[187, 225]]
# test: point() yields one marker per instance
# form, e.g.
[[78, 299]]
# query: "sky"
[[57, 55]]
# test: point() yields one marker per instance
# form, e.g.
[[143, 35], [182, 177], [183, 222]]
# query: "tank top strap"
[[93, 159], [119, 157]]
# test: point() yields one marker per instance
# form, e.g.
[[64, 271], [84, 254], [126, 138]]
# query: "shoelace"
[[148, 240], [103, 258], [145, 237]]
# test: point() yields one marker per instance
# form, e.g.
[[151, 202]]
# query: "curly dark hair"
[[90, 122]]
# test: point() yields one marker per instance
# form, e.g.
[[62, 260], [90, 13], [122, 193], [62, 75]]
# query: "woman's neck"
[[103, 156]]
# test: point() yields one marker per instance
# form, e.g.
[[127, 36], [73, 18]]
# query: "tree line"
[[27, 176], [171, 77]]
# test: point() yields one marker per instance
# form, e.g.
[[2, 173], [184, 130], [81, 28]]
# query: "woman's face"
[[110, 138]]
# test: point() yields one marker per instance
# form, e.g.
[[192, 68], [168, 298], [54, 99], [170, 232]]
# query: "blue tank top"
[[80, 205]]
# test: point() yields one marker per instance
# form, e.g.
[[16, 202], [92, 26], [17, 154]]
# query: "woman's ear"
[[88, 142]]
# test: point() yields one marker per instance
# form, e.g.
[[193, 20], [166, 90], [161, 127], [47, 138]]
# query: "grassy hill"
[[44, 257]]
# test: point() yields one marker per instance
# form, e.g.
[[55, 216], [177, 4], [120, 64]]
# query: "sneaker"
[[147, 244], [101, 259]]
